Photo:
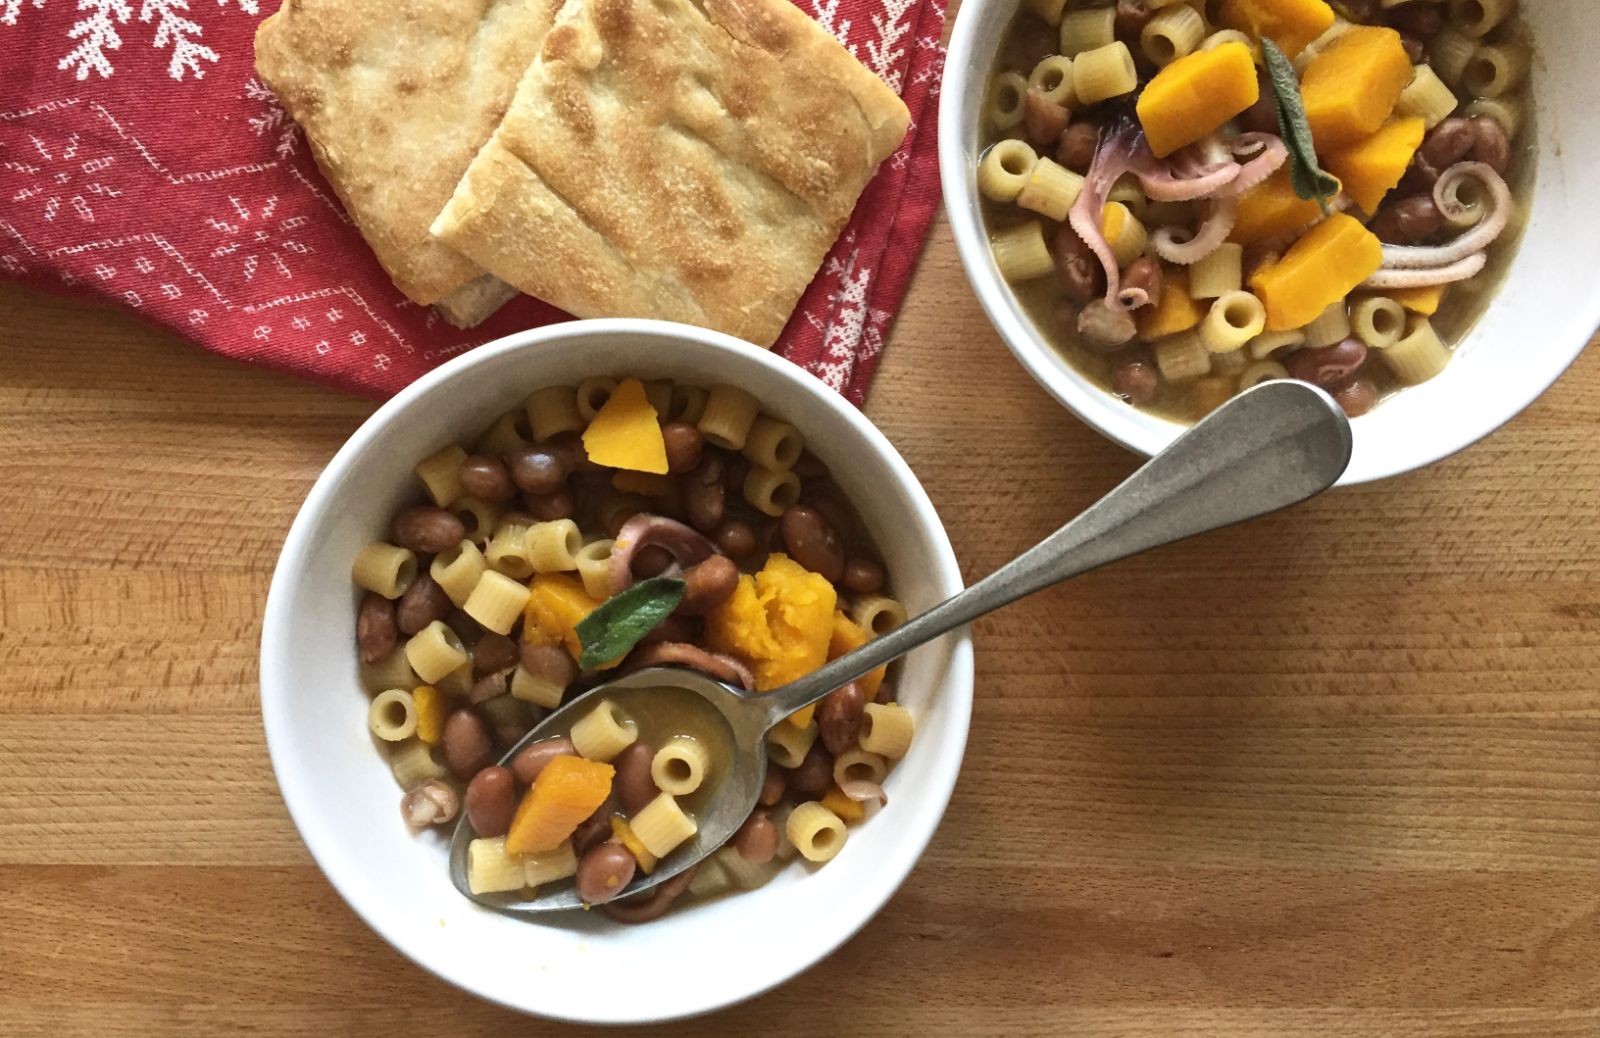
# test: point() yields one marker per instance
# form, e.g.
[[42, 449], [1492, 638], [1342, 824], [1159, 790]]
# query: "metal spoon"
[[1270, 447]]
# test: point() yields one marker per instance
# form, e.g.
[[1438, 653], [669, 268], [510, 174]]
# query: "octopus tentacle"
[[1427, 277], [1210, 236], [1478, 238], [685, 544]]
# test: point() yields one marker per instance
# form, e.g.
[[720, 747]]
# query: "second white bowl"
[[1535, 327]]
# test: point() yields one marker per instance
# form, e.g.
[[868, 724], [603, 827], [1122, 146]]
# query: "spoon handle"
[[1268, 448]]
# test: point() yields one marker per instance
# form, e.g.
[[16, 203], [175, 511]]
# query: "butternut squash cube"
[[802, 717], [1351, 88], [645, 484], [847, 636], [626, 432], [641, 854], [780, 621], [1272, 208], [849, 811], [1370, 168], [1196, 94], [567, 791], [1177, 310], [1319, 270], [432, 709], [556, 602], [1291, 24], [1424, 301]]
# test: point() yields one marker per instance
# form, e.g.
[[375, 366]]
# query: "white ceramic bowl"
[[1534, 328], [344, 801]]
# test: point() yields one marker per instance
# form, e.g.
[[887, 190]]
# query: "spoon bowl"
[[736, 718]]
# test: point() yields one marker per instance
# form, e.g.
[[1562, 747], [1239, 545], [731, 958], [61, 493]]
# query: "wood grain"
[[1335, 773]]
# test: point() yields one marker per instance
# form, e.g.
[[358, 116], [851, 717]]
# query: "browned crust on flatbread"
[[677, 159], [396, 97]]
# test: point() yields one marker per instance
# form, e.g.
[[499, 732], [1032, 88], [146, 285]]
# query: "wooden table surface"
[[1334, 773]]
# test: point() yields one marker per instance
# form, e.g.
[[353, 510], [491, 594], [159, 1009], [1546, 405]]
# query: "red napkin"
[[142, 162]]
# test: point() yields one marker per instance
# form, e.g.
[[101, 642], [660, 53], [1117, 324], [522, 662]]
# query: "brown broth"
[[1054, 316]]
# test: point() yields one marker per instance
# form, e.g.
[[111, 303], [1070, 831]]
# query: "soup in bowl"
[[1161, 204], [600, 529], [347, 764]]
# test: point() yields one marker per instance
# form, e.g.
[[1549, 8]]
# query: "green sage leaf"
[[1310, 180], [619, 622]]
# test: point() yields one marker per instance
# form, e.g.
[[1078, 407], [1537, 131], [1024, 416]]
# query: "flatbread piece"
[[691, 160], [396, 97]]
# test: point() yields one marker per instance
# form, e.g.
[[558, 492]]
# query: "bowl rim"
[[957, 684], [1137, 431]]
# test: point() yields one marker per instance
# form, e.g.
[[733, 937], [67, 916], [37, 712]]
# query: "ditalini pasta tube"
[[1104, 72], [788, 745], [680, 766], [531, 688], [506, 434], [728, 416], [687, 405], [817, 833], [435, 651], [1480, 17], [1426, 98], [553, 547], [457, 571], [496, 603], [877, 614], [886, 730], [1378, 321], [1003, 104], [1182, 357], [440, 473], [1495, 70], [1173, 33], [393, 671], [1234, 319], [1419, 355], [858, 765], [392, 716], [1217, 274], [1051, 190], [412, 764], [1020, 252], [479, 517], [662, 826], [603, 732], [507, 552], [771, 492], [746, 875], [1052, 77], [490, 870], [772, 444], [384, 569], [593, 392], [549, 866], [552, 411], [1329, 327], [1087, 30], [594, 567]]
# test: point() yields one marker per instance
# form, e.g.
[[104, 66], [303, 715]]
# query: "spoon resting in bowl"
[[1270, 447]]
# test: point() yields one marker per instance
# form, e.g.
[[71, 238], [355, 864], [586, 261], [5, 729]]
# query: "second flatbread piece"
[[685, 160]]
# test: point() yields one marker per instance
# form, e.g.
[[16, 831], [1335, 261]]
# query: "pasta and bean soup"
[[603, 528], [1189, 197]]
